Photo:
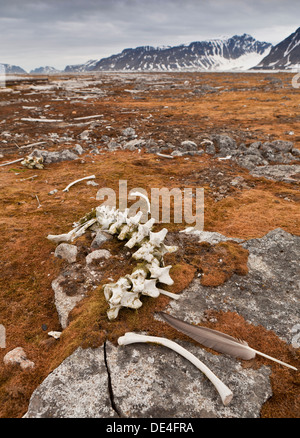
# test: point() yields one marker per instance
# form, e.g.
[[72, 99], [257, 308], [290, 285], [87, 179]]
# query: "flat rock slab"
[[152, 381], [269, 295], [278, 172], [147, 381], [78, 388]]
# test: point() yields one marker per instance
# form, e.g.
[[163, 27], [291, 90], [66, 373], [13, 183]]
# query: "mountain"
[[44, 71], [235, 53], [12, 69], [283, 56]]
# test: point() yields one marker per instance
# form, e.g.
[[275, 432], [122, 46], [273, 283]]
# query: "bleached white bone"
[[138, 236], [73, 234], [113, 292], [162, 274], [137, 278], [77, 181], [156, 239], [223, 390], [120, 220]]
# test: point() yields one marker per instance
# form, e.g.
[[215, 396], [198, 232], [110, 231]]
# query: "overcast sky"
[[36, 33]]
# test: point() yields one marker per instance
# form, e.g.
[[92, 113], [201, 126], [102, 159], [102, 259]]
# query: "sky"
[[57, 33]]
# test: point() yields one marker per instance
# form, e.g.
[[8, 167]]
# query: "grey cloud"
[[60, 32]]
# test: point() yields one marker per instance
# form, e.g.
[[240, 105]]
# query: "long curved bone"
[[131, 338]]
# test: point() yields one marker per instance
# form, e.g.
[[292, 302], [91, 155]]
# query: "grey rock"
[[54, 157], [134, 144], [85, 135], [278, 172], [282, 146], [113, 145], [67, 252], [78, 388], [295, 152], [225, 144], [53, 192], [19, 357], [100, 238], [189, 145], [250, 161], [96, 255], [177, 153], [147, 381], [155, 382], [128, 132], [268, 295], [78, 149], [64, 301], [211, 237], [210, 149]]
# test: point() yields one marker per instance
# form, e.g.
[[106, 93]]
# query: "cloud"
[[60, 32]]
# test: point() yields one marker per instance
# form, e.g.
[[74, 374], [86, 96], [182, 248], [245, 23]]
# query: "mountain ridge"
[[206, 55], [285, 55]]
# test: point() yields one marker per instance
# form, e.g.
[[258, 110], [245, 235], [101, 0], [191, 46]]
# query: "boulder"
[[67, 252], [78, 388], [54, 157], [19, 357]]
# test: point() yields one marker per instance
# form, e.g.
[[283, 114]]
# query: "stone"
[[18, 356], [85, 135], [53, 192], [211, 237], [152, 381], [266, 296], [96, 255], [67, 252], [278, 172], [55, 334], [147, 381], [282, 146], [78, 149], [210, 148], [225, 144], [64, 303], [189, 145], [100, 238], [128, 132], [55, 157], [78, 388], [134, 144]]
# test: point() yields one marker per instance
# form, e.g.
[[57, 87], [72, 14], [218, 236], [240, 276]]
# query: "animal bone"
[[77, 181], [73, 234], [131, 338], [33, 162], [138, 236]]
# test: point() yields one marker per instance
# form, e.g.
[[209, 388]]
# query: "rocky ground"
[[235, 135]]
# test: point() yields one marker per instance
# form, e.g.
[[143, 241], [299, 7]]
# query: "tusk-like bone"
[[131, 338], [78, 180]]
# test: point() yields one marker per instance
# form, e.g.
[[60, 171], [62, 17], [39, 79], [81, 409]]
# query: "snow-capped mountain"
[[283, 56], [235, 53], [11, 69], [47, 70]]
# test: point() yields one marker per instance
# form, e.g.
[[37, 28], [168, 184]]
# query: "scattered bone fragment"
[[77, 181]]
